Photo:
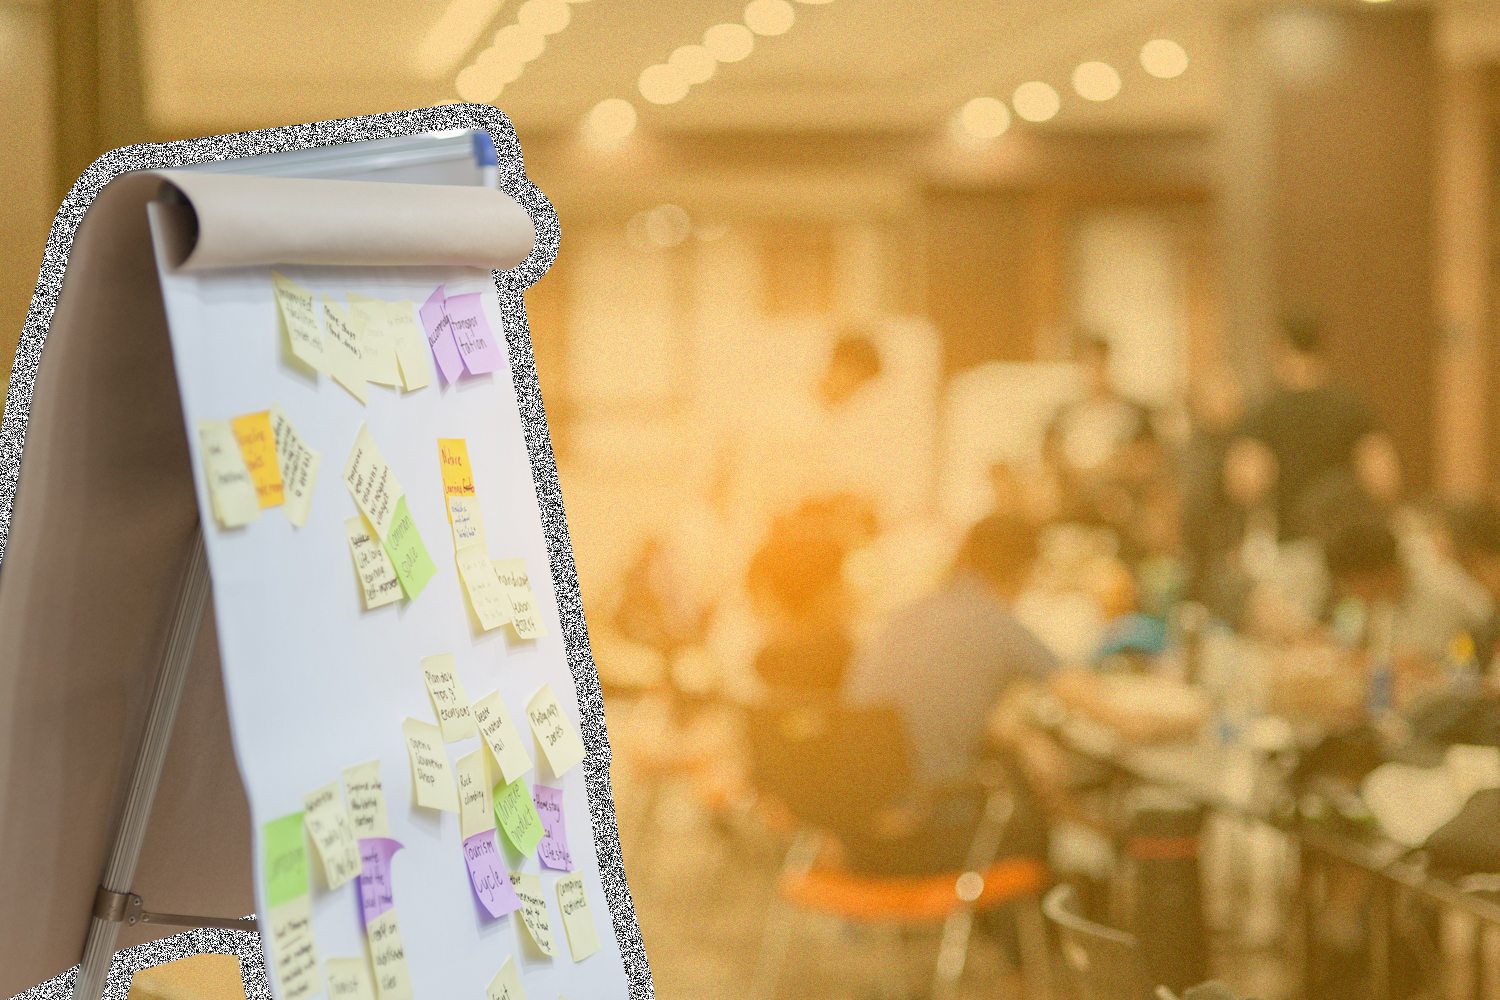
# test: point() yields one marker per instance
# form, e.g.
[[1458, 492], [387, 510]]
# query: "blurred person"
[[1474, 532], [1214, 511]]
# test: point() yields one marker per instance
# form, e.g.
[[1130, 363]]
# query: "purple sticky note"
[[471, 332], [488, 873], [553, 850], [375, 876], [440, 336]]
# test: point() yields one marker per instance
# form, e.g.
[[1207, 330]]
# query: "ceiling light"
[[519, 42], [985, 118], [610, 121], [1163, 58], [477, 86], [667, 225], [452, 35], [729, 42], [769, 17], [1096, 81], [545, 17], [501, 66], [663, 84], [1035, 101], [694, 62]]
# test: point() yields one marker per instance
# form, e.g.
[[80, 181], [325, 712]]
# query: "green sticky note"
[[516, 814], [402, 543], [285, 867]]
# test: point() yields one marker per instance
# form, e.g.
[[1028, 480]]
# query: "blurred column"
[[1328, 193], [99, 96]]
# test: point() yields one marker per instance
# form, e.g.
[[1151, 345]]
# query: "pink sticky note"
[[471, 332], [553, 850], [488, 873], [440, 336], [375, 895]]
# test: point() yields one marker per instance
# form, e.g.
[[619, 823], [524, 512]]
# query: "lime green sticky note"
[[285, 867], [516, 814], [402, 543]]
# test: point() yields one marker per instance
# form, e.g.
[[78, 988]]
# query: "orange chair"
[[197, 977]]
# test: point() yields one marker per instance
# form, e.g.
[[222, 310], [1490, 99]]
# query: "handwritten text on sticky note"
[[327, 823], [488, 875], [486, 596], [471, 332], [440, 337], [449, 700], [377, 577], [534, 910], [476, 812], [516, 813], [501, 736], [299, 321], [430, 774], [231, 491], [552, 851], [366, 800], [294, 954], [578, 920], [554, 731], [388, 957], [376, 894], [258, 448], [298, 464]]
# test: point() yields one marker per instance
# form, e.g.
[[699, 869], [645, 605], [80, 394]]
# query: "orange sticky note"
[[458, 478], [258, 446]]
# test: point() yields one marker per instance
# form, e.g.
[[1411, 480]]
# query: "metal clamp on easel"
[[130, 909]]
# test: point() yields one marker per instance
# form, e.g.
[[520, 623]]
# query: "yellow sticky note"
[[379, 344], [455, 718], [298, 465], [485, 593], [294, 953], [507, 983], [258, 448], [475, 807], [343, 350], [554, 731], [468, 526], [501, 737], [231, 491], [366, 801], [372, 483], [534, 911], [458, 477], [430, 775], [327, 823], [299, 322], [578, 919], [377, 577], [411, 345], [524, 616], [349, 979], [388, 956]]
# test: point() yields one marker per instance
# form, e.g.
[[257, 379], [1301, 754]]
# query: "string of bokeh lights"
[[513, 47]]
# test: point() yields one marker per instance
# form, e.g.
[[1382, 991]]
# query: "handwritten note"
[[458, 477], [343, 349], [468, 526], [449, 701], [258, 449], [377, 577], [578, 920], [411, 346], [372, 483], [501, 737], [299, 322], [294, 953], [475, 808], [507, 983], [298, 465], [388, 956], [231, 491], [516, 813], [349, 979], [534, 910], [327, 823], [525, 618], [488, 875], [366, 800], [430, 775], [559, 740], [376, 894], [485, 593], [440, 337], [379, 343], [471, 332], [410, 557], [552, 851], [283, 860]]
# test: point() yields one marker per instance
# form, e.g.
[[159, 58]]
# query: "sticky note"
[[552, 851], [578, 920], [258, 449], [559, 740], [516, 814], [231, 491], [294, 953], [410, 557], [458, 477], [534, 910], [411, 346], [371, 482], [479, 348], [440, 337], [455, 718], [377, 577], [488, 875], [349, 979], [486, 595], [507, 983], [366, 801], [298, 465], [524, 617], [501, 737], [284, 862], [376, 894], [299, 322], [327, 823], [378, 343], [430, 775], [468, 526], [388, 957], [343, 352], [475, 809]]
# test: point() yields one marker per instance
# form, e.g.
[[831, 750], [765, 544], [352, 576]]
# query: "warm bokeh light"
[[663, 84], [476, 85], [1036, 101], [694, 62], [769, 17], [498, 65], [545, 17], [452, 35], [667, 226], [519, 42], [1164, 58], [729, 42], [609, 121], [1096, 81], [985, 118]]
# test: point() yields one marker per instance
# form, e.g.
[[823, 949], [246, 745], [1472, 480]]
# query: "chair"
[[834, 769], [1106, 964], [197, 977]]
